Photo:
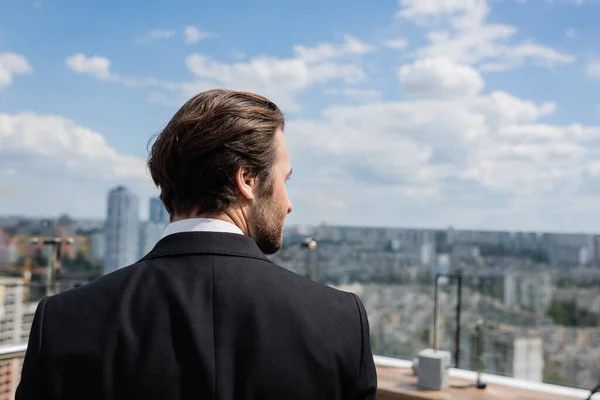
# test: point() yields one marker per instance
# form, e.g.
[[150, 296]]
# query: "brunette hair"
[[195, 159]]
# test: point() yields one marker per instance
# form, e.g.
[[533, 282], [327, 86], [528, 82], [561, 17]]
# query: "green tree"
[[568, 314]]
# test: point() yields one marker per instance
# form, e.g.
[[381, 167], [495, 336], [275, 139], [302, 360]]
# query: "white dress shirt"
[[201, 225]]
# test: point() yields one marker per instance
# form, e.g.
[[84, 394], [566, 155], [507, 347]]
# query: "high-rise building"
[[151, 231], [122, 229], [150, 234], [158, 212]]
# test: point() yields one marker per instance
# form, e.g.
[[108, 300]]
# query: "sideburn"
[[266, 187]]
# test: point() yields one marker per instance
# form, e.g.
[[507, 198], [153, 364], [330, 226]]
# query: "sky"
[[476, 114]]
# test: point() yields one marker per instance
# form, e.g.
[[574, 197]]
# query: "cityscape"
[[450, 142], [536, 293]]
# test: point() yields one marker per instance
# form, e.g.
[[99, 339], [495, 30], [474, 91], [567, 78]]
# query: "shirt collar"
[[201, 225]]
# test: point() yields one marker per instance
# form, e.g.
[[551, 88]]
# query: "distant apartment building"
[[506, 352], [9, 254], [151, 231], [10, 250], [97, 240], [150, 234], [15, 323], [569, 249], [158, 212], [528, 290], [122, 229]]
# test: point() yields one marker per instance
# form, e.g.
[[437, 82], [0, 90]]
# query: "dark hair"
[[195, 159]]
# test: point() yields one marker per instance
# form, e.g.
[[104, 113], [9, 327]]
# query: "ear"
[[246, 183]]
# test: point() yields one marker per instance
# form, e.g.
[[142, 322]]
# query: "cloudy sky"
[[472, 113]]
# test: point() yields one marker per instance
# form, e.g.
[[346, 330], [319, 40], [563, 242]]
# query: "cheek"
[[284, 196]]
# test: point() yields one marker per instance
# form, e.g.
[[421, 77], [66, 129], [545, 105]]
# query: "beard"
[[267, 225]]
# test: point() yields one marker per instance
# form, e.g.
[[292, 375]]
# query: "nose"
[[290, 207]]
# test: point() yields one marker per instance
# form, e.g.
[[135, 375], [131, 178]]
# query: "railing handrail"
[[13, 350]]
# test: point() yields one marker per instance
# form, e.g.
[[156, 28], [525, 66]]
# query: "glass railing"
[[537, 321], [400, 312], [11, 357], [19, 299]]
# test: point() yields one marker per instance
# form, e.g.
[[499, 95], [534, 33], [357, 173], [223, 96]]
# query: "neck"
[[234, 217]]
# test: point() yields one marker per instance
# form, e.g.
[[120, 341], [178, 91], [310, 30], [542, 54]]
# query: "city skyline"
[[473, 113], [144, 217], [537, 292]]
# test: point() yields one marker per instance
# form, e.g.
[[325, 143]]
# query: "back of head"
[[195, 159]]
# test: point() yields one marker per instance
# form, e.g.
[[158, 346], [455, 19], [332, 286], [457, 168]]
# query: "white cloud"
[[458, 31], [464, 153], [487, 145], [398, 43], [327, 51], [96, 66], [362, 95], [541, 54], [100, 68], [156, 34], [237, 54], [57, 165], [194, 35], [12, 64], [58, 141], [462, 13], [593, 69], [501, 108], [281, 79], [439, 78]]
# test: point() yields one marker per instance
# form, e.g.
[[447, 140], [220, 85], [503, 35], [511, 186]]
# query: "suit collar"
[[223, 243]]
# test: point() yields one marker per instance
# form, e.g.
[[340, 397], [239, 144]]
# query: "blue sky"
[[471, 113]]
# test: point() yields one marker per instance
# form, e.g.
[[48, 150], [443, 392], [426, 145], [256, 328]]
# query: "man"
[[206, 315]]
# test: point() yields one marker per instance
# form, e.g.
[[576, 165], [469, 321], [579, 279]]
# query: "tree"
[[568, 314]]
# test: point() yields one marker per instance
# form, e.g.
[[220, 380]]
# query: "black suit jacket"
[[203, 316]]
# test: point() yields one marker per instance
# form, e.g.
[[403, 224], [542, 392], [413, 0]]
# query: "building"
[[122, 229], [158, 212], [506, 352], [532, 290], [97, 246], [525, 289], [150, 234], [570, 249], [151, 231], [15, 324], [9, 254]]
